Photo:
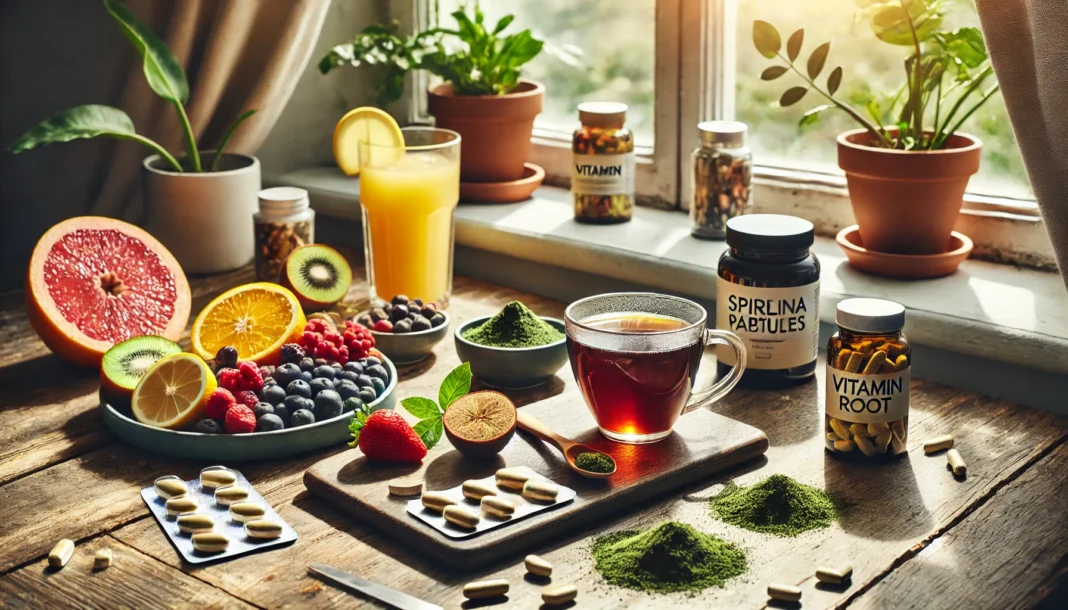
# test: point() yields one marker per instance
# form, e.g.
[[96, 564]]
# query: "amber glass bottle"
[[866, 411], [768, 294], [602, 168]]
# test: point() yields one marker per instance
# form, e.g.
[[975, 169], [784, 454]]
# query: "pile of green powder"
[[777, 505], [668, 558], [514, 326], [595, 462]]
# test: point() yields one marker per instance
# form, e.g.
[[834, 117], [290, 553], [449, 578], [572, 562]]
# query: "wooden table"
[[917, 538]]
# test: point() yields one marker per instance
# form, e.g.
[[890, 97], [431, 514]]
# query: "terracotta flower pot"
[[907, 202], [495, 129]]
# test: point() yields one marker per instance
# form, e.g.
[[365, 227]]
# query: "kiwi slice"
[[319, 275], [125, 364]]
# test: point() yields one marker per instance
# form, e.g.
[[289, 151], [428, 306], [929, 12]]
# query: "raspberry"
[[292, 353], [247, 398], [219, 403], [240, 420], [230, 379], [251, 378]]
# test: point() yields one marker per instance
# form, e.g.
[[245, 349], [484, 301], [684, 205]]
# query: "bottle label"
[[866, 399], [779, 326], [603, 174]]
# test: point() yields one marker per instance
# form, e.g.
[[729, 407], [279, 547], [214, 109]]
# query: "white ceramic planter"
[[204, 219]]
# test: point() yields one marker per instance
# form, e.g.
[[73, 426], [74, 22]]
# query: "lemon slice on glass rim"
[[366, 124]]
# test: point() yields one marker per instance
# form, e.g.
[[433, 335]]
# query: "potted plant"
[[199, 205], [483, 97], [907, 167]]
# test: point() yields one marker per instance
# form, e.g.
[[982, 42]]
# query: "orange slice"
[[255, 318], [174, 392], [366, 124]]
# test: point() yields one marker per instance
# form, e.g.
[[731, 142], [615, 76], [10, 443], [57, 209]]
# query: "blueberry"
[[327, 405], [364, 381], [400, 312], [367, 395], [388, 308], [347, 376], [273, 394], [412, 315], [336, 366], [378, 385], [353, 404], [291, 404], [400, 299], [209, 426], [306, 364], [378, 371], [347, 388], [437, 319], [286, 373], [299, 388], [262, 409], [325, 372], [269, 381], [377, 314], [269, 422], [428, 311], [420, 323], [307, 404], [306, 376], [282, 411], [402, 327], [365, 320], [354, 367], [301, 417], [416, 302], [320, 384], [370, 361]]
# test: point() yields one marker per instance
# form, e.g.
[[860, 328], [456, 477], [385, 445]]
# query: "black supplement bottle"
[[768, 294]]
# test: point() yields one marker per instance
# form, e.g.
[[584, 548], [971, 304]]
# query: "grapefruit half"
[[94, 282]]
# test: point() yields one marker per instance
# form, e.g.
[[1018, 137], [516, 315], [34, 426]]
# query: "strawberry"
[[385, 435], [219, 403], [240, 420]]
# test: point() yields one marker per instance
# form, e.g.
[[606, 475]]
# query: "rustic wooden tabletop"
[[917, 537]]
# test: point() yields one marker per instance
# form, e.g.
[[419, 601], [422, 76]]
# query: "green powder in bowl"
[[668, 558], [516, 327], [777, 505]]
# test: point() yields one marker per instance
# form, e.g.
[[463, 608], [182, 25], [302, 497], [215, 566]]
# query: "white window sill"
[[992, 311]]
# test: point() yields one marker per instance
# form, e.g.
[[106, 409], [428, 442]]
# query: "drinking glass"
[[635, 357], [409, 195]]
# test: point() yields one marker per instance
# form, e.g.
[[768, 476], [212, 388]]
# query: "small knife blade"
[[395, 598]]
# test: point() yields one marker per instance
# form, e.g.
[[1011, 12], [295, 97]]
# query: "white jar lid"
[[871, 315], [283, 199]]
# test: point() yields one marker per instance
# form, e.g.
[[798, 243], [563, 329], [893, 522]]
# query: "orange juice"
[[408, 208]]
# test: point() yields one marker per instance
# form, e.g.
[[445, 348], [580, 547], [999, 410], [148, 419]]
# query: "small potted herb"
[[483, 97], [908, 166], [200, 204]]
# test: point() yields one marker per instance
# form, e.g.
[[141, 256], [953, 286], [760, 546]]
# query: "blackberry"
[[269, 423], [209, 426], [301, 417], [292, 353]]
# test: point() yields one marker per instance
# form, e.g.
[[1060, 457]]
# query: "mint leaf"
[[420, 407], [455, 385], [430, 431]]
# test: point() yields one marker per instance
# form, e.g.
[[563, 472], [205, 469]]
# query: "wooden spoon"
[[568, 447]]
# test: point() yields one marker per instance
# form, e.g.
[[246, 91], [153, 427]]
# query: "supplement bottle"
[[602, 167], [722, 167], [768, 294], [868, 374], [283, 223]]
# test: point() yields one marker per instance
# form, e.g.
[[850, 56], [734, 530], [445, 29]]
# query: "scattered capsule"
[[938, 443], [460, 516], [214, 478], [512, 478], [485, 588], [784, 593], [225, 496], [437, 501], [476, 490], [197, 523], [210, 542], [263, 528], [170, 486], [538, 566], [556, 595], [102, 559], [540, 490], [956, 463], [834, 576], [405, 487], [181, 504], [61, 553], [242, 512], [498, 507]]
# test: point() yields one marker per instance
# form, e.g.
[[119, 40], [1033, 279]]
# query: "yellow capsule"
[[102, 559], [956, 463], [181, 504], [784, 593], [210, 542], [214, 478], [225, 496], [938, 443], [61, 553], [556, 595], [263, 528], [540, 490], [476, 490], [841, 429], [538, 566], [170, 486], [196, 523], [834, 576], [498, 507], [512, 478], [437, 501], [458, 515], [485, 588], [243, 512]]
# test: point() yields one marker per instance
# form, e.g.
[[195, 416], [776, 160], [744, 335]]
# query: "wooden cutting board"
[[703, 443]]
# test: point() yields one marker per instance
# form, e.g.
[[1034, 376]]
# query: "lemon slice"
[[366, 124], [174, 392]]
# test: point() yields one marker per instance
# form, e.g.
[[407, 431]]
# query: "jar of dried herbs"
[[602, 170], [722, 167], [284, 222]]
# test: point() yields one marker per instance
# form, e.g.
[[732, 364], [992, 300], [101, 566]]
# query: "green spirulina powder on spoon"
[[515, 326]]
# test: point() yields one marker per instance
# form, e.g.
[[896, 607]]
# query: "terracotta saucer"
[[503, 192], [903, 265]]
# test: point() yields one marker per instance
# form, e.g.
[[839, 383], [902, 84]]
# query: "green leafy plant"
[[477, 60], [945, 70], [165, 77], [430, 413]]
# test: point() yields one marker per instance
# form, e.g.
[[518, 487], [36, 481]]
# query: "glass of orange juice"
[[409, 195]]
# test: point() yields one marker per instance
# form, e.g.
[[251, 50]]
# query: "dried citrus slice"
[[174, 392], [256, 319], [366, 124]]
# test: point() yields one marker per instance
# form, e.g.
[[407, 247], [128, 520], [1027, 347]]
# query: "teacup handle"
[[706, 397]]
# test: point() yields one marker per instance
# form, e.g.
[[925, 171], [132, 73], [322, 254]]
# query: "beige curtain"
[[1028, 43], [238, 55]]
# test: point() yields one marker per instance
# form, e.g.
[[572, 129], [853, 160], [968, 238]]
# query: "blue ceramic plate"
[[234, 447]]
